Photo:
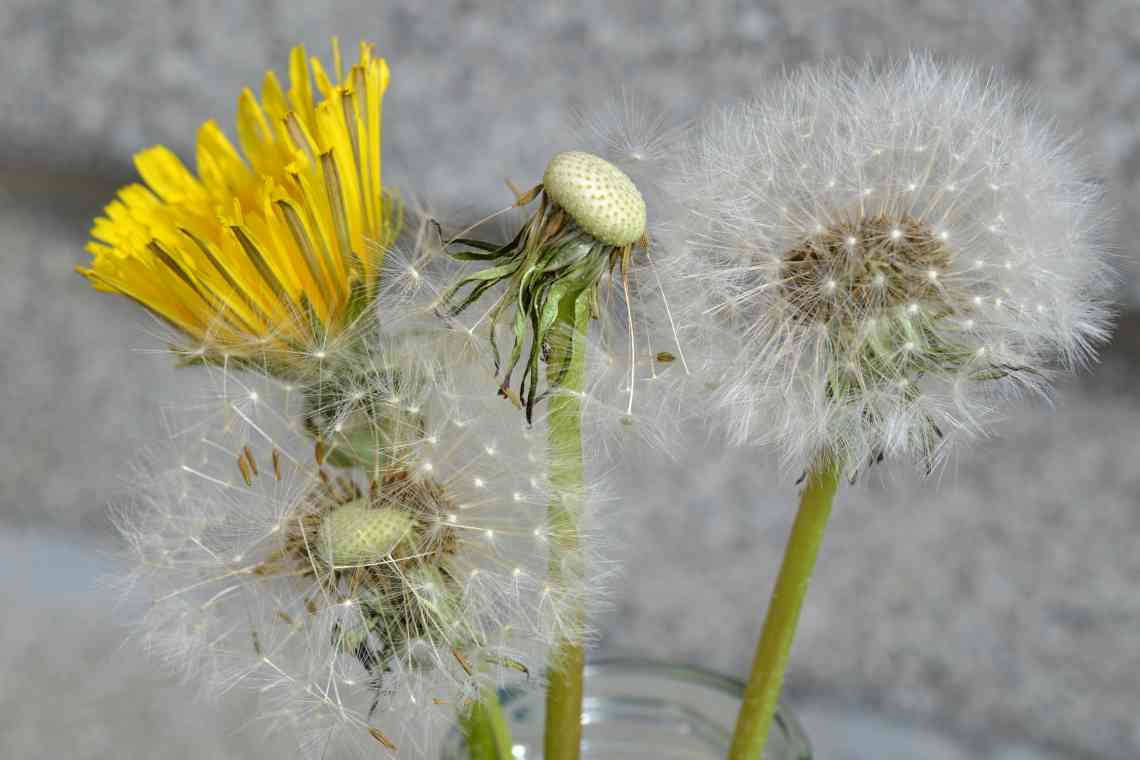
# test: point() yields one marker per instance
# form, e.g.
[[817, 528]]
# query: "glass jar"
[[639, 709]]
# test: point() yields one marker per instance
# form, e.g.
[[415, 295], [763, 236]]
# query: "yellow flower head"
[[270, 256]]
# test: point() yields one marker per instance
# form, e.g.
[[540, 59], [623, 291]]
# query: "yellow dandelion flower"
[[269, 256]]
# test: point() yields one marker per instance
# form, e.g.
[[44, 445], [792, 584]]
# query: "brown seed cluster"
[[853, 269]]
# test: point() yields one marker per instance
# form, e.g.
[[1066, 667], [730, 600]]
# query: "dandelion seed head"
[[937, 147], [273, 567]]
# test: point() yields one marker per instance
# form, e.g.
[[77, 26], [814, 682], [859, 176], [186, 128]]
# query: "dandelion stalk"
[[483, 723], [763, 690], [564, 696], [589, 220]]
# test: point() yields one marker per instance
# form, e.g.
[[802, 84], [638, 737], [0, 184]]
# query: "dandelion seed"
[[246, 475], [379, 736]]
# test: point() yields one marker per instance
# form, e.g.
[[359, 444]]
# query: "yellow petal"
[[259, 250]]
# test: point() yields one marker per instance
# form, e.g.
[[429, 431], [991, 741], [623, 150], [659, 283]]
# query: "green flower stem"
[[563, 737], [763, 690], [488, 736]]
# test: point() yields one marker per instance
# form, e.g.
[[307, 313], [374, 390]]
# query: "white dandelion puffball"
[[890, 252], [368, 585]]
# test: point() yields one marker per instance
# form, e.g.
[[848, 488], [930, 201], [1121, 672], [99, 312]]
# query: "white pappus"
[[883, 255], [371, 568]]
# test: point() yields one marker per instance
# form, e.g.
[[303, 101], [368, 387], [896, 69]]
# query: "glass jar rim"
[[695, 674]]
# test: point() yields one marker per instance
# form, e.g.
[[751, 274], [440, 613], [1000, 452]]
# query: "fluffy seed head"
[[891, 251], [598, 195], [365, 585]]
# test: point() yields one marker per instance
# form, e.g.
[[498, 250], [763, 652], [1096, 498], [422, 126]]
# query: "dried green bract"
[[590, 217]]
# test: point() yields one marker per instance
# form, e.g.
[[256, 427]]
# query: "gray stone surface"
[[82, 377], [478, 87], [846, 732], [71, 689], [993, 610]]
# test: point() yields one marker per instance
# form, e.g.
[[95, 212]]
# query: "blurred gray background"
[[991, 613]]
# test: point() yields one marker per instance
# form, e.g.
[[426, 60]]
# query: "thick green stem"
[[763, 690], [563, 736], [483, 723]]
